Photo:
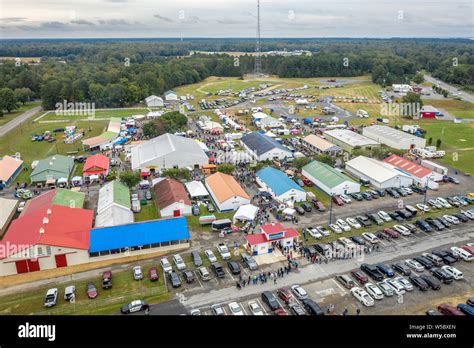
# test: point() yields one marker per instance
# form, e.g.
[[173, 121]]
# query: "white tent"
[[196, 189], [246, 212], [289, 211]]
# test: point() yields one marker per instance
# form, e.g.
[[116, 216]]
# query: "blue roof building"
[[141, 237], [280, 186], [261, 147]]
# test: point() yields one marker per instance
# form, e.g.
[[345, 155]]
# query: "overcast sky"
[[235, 18]]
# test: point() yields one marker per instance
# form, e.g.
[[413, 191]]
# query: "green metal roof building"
[[52, 168], [329, 179], [69, 198]]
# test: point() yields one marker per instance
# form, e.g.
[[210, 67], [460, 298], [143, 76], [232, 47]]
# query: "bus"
[[221, 224]]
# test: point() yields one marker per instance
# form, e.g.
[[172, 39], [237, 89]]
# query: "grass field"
[[7, 117], [457, 108], [98, 114], [124, 290], [148, 212]]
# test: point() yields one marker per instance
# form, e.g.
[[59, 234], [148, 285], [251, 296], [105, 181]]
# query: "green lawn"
[[98, 114], [124, 290], [148, 212], [7, 117], [321, 196], [193, 221], [19, 140]]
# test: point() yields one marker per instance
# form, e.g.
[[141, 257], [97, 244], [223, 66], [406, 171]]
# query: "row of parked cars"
[[400, 216], [295, 298], [202, 272], [401, 277]]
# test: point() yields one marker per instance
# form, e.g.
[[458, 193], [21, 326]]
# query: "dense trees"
[[8, 101], [170, 122], [111, 72]]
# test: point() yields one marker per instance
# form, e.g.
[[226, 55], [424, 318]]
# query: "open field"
[[7, 117], [458, 108], [125, 112]]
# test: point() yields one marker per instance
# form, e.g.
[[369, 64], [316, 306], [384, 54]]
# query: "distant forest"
[[120, 72]]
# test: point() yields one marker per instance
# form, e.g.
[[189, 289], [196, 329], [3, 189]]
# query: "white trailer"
[[435, 167]]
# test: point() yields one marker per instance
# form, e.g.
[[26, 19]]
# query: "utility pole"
[[258, 57]]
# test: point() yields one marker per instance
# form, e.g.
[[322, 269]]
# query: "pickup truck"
[[224, 251], [218, 270]]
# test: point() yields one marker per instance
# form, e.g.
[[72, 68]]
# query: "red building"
[[96, 165]]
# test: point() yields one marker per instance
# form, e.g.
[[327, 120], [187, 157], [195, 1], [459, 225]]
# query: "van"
[[346, 281], [411, 209], [312, 307], [463, 254], [196, 258]]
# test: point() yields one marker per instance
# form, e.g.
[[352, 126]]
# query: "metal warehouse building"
[[329, 179], [281, 187], [380, 174], [394, 138], [349, 140]]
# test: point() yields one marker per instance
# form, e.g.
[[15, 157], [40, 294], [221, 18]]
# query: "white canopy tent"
[[196, 189], [289, 211], [246, 212]]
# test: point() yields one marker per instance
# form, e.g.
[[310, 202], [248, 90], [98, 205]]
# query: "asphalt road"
[[18, 120], [462, 94]]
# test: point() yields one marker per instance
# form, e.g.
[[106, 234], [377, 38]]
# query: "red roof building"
[[271, 237], [421, 175], [47, 237], [96, 165]]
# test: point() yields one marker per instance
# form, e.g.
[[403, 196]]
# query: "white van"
[[463, 254]]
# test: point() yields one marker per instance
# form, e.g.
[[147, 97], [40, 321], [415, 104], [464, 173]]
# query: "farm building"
[[280, 186], [50, 169], [262, 147], [329, 179], [138, 238], [168, 151], [379, 174], [96, 165], [319, 145], [153, 101], [348, 140], [196, 190], [420, 175], [52, 236], [10, 167], [394, 138], [172, 199], [7, 211], [171, 95], [226, 192], [114, 206], [106, 139], [271, 238], [58, 196]]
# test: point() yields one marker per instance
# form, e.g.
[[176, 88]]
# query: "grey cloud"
[[163, 18], [13, 19], [82, 22], [113, 22]]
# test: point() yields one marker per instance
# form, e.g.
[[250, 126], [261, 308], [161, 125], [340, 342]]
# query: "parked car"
[[396, 217], [375, 218], [370, 237], [270, 300], [466, 309], [364, 221], [196, 258], [357, 196], [346, 281], [353, 223], [391, 233], [134, 306], [165, 264], [343, 225], [224, 251], [235, 308], [358, 240], [217, 309], [441, 275], [402, 230], [234, 267], [372, 271], [210, 255], [312, 307], [137, 273], [345, 199], [431, 281], [107, 280], [174, 279], [367, 196], [336, 199], [360, 276], [419, 283], [299, 210], [437, 261], [385, 288], [91, 291], [319, 206], [285, 295], [51, 297], [335, 228], [179, 262], [415, 265], [296, 309], [195, 210], [446, 309], [218, 270], [385, 269], [384, 216], [397, 288], [374, 291], [299, 292], [425, 262], [401, 268], [255, 308], [70, 293], [405, 283], [362, 296], [248, 261], [454, 272], [424, 226], [307, 208], [188, 276], [204, 273]]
